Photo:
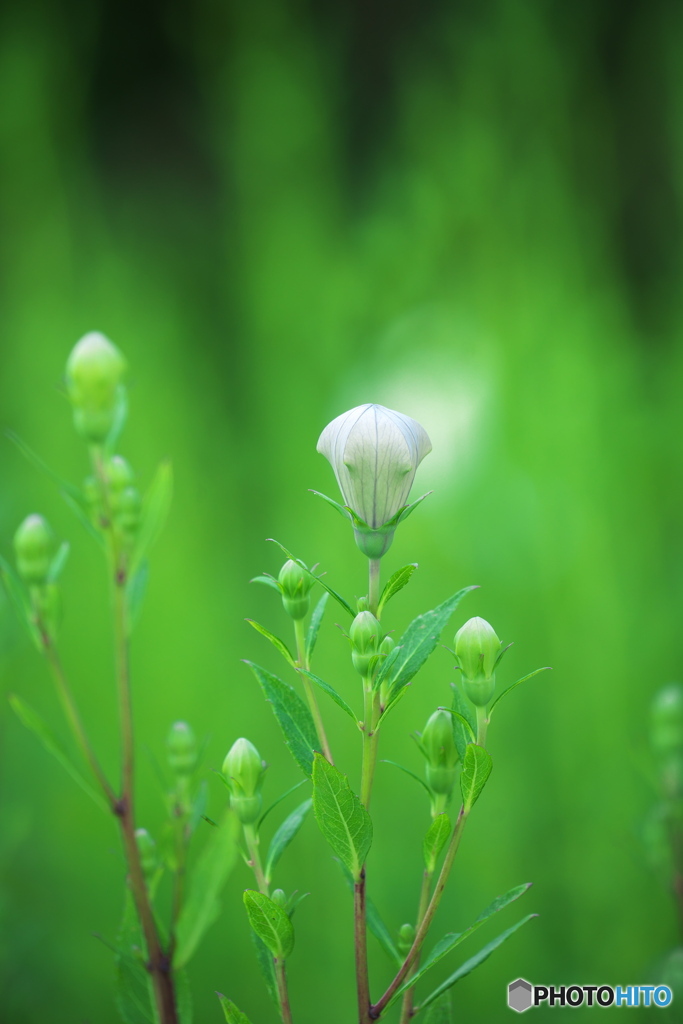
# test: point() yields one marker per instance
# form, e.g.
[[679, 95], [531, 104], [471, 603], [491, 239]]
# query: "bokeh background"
[[466, 211]]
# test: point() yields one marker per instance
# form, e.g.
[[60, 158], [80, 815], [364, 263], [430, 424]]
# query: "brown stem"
[[407, 1007], [281, 975], [361, 947]]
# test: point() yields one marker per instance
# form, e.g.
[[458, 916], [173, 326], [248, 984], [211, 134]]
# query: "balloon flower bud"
[[34, 545], [406, 938], [365, 635], [243, 770], [374, 453], [94, 379], [438, 746], [478, 651], [181, 749], [148, 851], [385, 649], [280, 897], [295, 585]]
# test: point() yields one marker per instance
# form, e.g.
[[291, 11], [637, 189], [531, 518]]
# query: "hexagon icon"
[[520, 995]]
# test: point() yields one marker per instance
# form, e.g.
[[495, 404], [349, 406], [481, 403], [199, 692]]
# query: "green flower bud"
[[385, 649], [666, 722], [406, 938], [34, 545], [127, 518], [280, 898], [374, 453], [148, 851], [365, 635], [181, 749], [438, 745], [477, 649], [243, 770], [119, 475], [363, 604], [296, 584], [94, 378]]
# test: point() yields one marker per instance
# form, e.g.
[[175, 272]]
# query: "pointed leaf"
[[476, 768], [294, 717], [314, 625], [28, 717], [374, 920], [269, 581], [133, 991], [275, 802], [155, 509], [415, 646], [441, 1011], [341, 509], [342, 819], [546, 668], [270, 922], [136, 588], [232, 1014], [79, 507], [462, 734], [39, 464], [202, 905], [58, 562], [278, 644], [333, 593], [473, 963], [284, 835], [330, 691], [403, 513], [18, 598], [266, 967], [395, 583], [437, 836], [412, 774]]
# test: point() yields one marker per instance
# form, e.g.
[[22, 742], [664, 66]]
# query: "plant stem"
[[370, 737], [281, 975], [302, 660], [252, 841], [482, 726], [361, 949], [407, 1007], [432, 907], [373, 585]]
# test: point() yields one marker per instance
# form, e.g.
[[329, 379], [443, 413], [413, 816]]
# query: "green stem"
[[302, 660], [370, 737], [431, 910], [252, 840], [281, 975], [407, 1006], [180, 812], [482, 726], [373, 585]]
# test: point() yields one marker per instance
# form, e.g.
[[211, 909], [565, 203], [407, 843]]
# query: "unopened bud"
[[477, 649], [438, 744], [181, 749], [243, 770], [666, 723], [296, 584], [34, 547], [148, 851], [406, 938], [279, 896], [365, 635], [363, 604], [94, 378]]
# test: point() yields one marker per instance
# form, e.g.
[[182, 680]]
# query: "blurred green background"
[[465, 211]]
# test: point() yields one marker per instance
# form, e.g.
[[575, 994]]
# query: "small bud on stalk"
[[148, 851], [280, 897], [295, 586], [243, 770], [385, 649], [181, 749], [366, 636], [406, 938], [478, 651], [94, 379], [374, 453], [438, 746], [34, 546], [666, 737]]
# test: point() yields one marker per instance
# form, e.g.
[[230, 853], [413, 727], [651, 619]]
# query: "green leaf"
[[270, 922], [266, 967], [314, 625], [333, 593], [155, 508], [414, 647], [294, 717], [462, 733], [58, 562], [330, 691], [202, 905], [476, 768], [79, 507], [36, 461], [284, 835], [473, 963], [441, 1011], [28, 717], [503, 693], [342, 819], [437, 836], [341, 509], [283, 796], [269, 581], [444, 946], [18, 598], [232, 1014], [134, 999], [374, 920], [412, 774], [395, 583], [120, 417], [408, 510], [136, 588], [278, 644]]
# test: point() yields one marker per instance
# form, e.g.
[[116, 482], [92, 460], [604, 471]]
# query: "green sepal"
[[476, 768], [464, 722], [29, 718], [412, 774], [19, 599], [396, 582], [278, 644], [296, 721], [374, 920], [202, 905], [343, 510], [503, 693], [155, 508], [314, 625], [341, 817], [269, 581], [472, 963], [437, 836], [232, 1014], [270, 922], [284, 835], [408, 510], [331, 692], [333, 593]]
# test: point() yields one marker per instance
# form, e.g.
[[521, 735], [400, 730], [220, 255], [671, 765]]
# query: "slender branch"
[[407, 1007], [361, 950], [370, 738], [252, 841], [303, 662], [482, 725], [373, 587], [411, 957], [281, 975], [180, 810]]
